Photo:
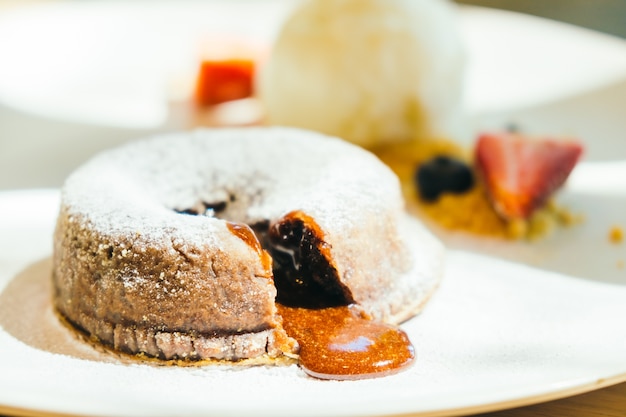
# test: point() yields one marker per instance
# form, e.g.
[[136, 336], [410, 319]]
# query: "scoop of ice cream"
[[370, 71]]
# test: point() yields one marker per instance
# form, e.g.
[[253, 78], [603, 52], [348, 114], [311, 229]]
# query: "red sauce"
[[224, 80], [344, 343]]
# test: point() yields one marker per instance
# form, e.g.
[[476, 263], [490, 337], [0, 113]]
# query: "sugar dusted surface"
[[461, 361], [128, 266], [54, 348], [264, 169]]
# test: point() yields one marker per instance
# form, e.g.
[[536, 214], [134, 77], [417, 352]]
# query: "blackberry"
[[443, 174]]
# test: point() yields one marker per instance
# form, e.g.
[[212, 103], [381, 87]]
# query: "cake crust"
[[136, 270]]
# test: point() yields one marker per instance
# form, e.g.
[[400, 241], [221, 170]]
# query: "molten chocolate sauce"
[[304, 271], [337, 339], [245, 233], [344, 343]]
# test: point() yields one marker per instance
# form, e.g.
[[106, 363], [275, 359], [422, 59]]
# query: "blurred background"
[[607, 16], [38, 149]]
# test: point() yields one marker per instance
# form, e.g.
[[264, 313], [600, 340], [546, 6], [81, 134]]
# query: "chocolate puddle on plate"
[[26, 313]]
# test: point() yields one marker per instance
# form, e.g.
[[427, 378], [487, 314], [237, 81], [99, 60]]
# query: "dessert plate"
[[495, 335], [119, 63], [596, 191]]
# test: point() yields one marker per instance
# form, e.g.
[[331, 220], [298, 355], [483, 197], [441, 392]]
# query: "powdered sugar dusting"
[[66, 363], [125, 246], [259, 172]]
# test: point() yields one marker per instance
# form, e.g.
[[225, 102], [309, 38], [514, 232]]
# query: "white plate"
[[114, 63], [109, 66], [495, 335], [595, 191]]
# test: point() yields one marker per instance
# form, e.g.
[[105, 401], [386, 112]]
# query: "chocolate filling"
[[205, 209], [304, 272]]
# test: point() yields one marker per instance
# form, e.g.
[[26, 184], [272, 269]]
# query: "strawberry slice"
[[521, 173]]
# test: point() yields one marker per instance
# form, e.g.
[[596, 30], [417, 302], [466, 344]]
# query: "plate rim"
[[557, 391]]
